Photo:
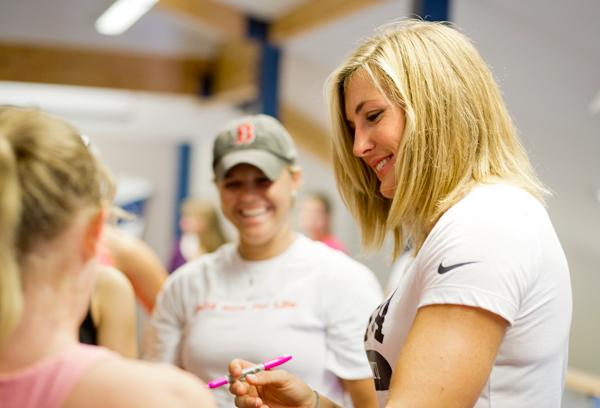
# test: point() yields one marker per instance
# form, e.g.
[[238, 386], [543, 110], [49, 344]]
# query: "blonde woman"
[[53, 197], [201, 231], [424, 149]]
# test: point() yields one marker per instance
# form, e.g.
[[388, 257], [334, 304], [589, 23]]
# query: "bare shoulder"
[[120, 382], [118, 241], [112, 292], [109, 279]]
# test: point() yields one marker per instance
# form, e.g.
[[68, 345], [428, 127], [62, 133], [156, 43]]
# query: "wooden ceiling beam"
[[235, 71], [312, 14], [217, 15], [308, 135], [84, 67]]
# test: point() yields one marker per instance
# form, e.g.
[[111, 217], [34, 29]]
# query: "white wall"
[[155, 161]]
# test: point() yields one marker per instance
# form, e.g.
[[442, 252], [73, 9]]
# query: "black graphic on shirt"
[[376, 320], [382, 371]]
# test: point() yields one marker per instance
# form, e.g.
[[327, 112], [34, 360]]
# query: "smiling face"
[[377, 125], [192, 224], [259, 208]]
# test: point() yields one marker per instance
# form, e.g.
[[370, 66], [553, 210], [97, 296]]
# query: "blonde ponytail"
[[11, 297], [47, 176]]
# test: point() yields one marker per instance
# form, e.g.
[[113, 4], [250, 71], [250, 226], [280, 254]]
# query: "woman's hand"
[[269, 389]]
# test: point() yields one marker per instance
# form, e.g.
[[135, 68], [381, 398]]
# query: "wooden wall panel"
[[217, 15], [236, 70], [83, 67], [307, 134], [312, 14]]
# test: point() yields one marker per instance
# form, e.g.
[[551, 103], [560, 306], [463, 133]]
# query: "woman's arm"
[[164, 332], [351, 298], [138, 262], [362, 392], [447, 357], [113, 312]]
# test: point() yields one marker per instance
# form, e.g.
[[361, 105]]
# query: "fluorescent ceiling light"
[[121, 15], [595, 106]]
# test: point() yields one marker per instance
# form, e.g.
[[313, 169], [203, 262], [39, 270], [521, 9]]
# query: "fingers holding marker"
[[239, 369], [248, 401]]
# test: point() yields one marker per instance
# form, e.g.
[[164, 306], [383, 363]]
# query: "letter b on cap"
[[245, 134]]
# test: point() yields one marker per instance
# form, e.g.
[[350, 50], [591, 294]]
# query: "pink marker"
[[267, 365]]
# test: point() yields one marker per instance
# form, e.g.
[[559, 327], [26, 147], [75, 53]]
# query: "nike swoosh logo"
[[444, 269]]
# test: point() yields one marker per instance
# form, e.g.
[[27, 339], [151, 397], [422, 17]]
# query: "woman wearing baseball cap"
[[273, 292]]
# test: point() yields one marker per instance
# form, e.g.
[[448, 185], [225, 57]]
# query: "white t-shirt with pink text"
[[310, 301]]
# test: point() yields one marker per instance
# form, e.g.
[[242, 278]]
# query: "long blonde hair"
[[458, 132], [212, 236], [47, 175]]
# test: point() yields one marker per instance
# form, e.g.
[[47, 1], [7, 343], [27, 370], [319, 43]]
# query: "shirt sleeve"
[[481, 258], [163, 334], [350, 296]]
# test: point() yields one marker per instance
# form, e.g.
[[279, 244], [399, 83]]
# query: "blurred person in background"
[[111, 317], [136, 260], [316, 218], [110, 320], [201, 231]]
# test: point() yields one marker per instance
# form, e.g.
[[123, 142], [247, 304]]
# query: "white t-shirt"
[[495, 249], [311, 301], [399, 268]]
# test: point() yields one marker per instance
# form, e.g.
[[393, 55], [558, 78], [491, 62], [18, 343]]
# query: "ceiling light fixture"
[[121, 15], [595, 104]]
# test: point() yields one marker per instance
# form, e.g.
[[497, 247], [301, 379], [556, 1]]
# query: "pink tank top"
[[48, 383], [103, 255], [334, 243]]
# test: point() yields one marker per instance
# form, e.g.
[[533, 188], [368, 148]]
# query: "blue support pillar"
[[269, 80], [269, 68], [183, 180], [432, 10]]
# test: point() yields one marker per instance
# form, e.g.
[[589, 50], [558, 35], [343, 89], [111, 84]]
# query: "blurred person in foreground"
[[53, 200]]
